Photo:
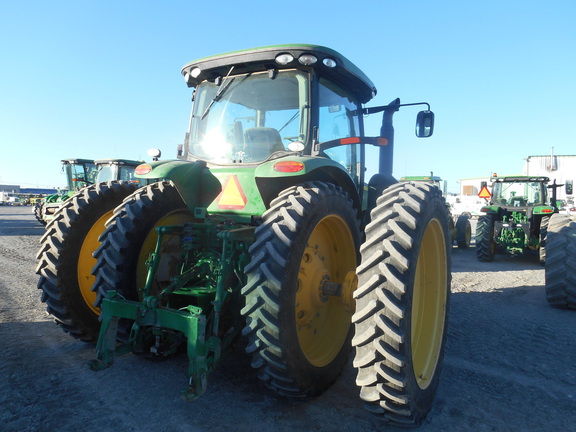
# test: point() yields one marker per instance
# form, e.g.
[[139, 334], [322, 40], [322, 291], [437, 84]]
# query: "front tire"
[[298, 333], [402, 303], [560, 267], [66, 257]]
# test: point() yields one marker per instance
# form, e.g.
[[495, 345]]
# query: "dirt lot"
[[510, 364]]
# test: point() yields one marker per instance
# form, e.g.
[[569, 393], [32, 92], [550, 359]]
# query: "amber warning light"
[[143, 169]]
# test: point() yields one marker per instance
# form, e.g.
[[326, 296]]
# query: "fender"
[[309, 168], [193, 180]]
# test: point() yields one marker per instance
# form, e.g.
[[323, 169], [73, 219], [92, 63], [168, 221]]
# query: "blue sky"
[[100, 79]]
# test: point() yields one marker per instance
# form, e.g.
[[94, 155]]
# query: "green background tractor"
[[266, 230], [516, 218], [83, 172], [79, 173]]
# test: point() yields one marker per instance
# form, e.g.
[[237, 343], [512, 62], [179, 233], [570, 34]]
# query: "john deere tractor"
[[266, 230], [79, 173], [516, 218]]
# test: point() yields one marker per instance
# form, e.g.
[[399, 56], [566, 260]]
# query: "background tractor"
[[460, 227], [79, 173], [70, 238], [517, 217], [268, 231], [83, 172]]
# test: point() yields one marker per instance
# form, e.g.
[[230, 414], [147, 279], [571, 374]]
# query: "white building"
[[556, 167]]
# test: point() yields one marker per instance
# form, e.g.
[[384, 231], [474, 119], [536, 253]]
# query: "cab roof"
[[520, 179], [76, 161], [265, 58], [118, 162]]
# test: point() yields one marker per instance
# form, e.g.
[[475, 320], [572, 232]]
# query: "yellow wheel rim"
[[323, 321], [86, 262], [177, 217], [429, 304]]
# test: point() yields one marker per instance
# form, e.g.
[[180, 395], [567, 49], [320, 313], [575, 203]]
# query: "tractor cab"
[[79, 173], [519, 193], [274, 102], [117, 169]]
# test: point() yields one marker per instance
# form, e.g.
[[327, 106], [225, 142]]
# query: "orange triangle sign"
[[232, 196], [484, 193]]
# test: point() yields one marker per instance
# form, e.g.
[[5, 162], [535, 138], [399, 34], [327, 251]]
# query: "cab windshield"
[[247, 118], [116, 172], [80, 175], [517, 194]]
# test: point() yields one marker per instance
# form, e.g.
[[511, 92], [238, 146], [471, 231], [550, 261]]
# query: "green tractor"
[[68, 243], [267, 231], [460, 227], [98, 171], [79, 173], [516, 218]]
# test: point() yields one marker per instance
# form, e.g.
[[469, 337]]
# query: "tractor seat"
[[518, 202], [259, 143]]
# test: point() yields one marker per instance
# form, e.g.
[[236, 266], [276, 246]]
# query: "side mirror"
[[424, 124], [569, 188]]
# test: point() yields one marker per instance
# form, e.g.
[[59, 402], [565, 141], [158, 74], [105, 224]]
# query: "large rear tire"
[[66, 257], [130, 237], [560, 267], [299, 289], [544, 223], [402, 303], [485, 246]]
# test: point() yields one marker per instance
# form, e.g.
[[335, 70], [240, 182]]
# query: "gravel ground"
[[510, 364]]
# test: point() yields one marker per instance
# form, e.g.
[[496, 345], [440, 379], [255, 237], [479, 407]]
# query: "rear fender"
[[272, 178], [193, 180]]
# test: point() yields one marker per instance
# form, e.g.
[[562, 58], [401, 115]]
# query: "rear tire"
[[298, 336], [485, 246], [130, 237], [66, 257], [560, 268], [463, 231], [544, 223], [38, 212], [402, 303]]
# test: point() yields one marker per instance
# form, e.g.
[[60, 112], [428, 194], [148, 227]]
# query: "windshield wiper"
[[219, 93]]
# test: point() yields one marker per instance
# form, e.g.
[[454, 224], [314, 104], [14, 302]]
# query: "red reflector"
[[289, 166], [547, 211], [143, 169], [485, 209], [352, 140]]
